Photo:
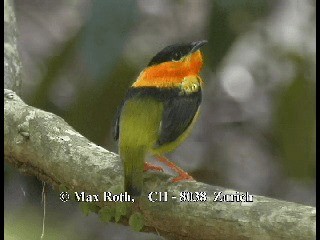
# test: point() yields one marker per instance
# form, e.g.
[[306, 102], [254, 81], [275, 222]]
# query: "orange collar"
[[170, 74]]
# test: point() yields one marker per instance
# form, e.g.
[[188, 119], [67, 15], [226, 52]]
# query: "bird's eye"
[[176, 56]]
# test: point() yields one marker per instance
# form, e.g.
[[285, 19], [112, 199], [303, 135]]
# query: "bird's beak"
[[197, 45]]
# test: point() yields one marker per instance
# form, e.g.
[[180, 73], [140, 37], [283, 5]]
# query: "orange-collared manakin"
[[158, 112]]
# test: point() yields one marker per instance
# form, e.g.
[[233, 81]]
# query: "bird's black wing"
[[179, 111], [115, 132]]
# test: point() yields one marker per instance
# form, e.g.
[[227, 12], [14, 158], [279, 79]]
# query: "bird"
[[159, 111]]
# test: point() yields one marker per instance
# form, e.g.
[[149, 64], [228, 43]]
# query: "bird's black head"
[[176, 52]]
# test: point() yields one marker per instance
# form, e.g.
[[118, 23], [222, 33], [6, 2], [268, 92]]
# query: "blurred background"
[[256, 132]]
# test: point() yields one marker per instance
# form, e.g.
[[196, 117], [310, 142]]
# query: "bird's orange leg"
[[149, 166], [182, 174]]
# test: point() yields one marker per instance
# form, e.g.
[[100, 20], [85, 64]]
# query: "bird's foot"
[[182, 177], [182, 174], [149, 166]]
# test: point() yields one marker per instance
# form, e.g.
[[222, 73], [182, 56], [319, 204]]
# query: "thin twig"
[[43, 200]]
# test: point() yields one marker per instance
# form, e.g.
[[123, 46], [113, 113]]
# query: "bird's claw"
[[182, 177], [149, 166]]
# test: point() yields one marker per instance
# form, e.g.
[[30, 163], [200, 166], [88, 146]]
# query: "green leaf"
[[121, 210], [84, 208], [88, 207], [136, 221], [106, 214]]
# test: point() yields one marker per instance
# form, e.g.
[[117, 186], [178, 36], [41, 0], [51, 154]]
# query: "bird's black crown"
[[176, 52]]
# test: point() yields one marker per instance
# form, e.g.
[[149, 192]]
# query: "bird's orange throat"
[[170, 74]]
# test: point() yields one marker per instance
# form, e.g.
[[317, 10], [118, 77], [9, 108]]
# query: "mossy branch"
[[44, 145]]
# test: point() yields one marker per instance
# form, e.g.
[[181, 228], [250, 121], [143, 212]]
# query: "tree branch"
[[44, 145], [12, 63]]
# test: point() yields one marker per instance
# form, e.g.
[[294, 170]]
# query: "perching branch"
[[44, 145]]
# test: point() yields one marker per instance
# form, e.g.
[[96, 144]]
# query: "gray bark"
[[12, 63], [42, 144]]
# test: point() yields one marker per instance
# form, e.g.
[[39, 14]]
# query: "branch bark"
[[12, 63], [42, 144]]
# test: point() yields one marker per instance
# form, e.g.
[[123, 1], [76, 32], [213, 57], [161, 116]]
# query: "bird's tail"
[[133, 159]]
